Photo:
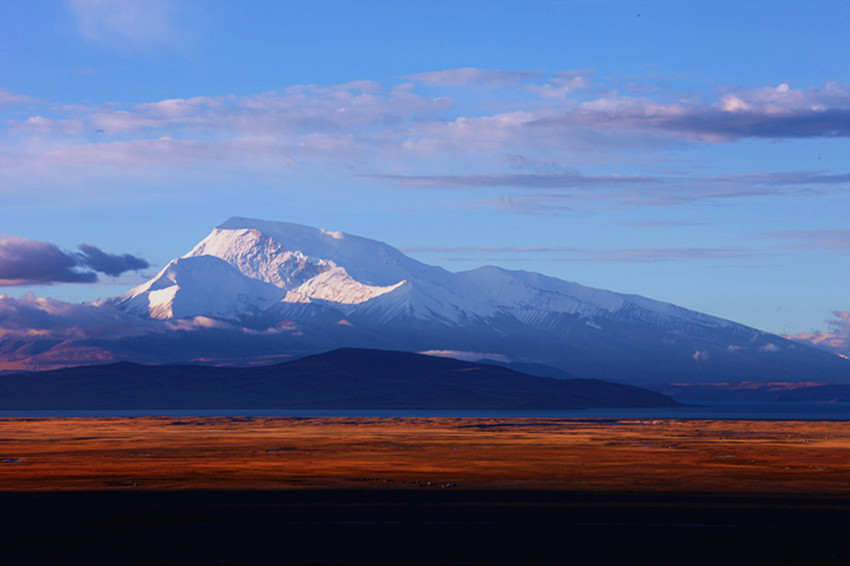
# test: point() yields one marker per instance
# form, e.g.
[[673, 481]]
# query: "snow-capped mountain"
[[331, 289], [270, 265], [248, 268]]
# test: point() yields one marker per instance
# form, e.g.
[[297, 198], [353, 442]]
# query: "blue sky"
[[692, 152]]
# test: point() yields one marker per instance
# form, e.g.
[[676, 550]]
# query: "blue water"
[[712, 410]]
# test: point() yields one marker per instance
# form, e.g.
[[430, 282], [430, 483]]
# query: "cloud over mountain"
[[39, 316], [29, 262], [836, 339]]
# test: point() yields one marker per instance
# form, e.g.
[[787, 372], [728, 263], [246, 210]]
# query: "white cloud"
[[197, 323], [45, 126], [782, 98], [40, 317], [395, 134], [499, 254], [127, 24], [701, 356], [837, 240], [563, 84], [835, 340], [572, 190], [9, 98], [466, 356], [470, 76]]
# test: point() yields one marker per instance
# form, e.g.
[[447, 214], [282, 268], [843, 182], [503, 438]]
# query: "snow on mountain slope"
[[425, 300], [340, 270], [527, 295], [272, 264], [336, 285], [195, 286], [368, 261]]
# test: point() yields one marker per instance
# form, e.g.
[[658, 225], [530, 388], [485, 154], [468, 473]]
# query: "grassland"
[[423, 491], [560, 454]]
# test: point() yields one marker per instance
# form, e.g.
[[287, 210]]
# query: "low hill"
[[341, 379]]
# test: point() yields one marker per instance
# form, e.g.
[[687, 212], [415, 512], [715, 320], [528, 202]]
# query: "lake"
[[706, 410]]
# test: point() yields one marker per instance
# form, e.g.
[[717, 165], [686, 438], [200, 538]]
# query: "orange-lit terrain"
[[166, 491], [551, 454]]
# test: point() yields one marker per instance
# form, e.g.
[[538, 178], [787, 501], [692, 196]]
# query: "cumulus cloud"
[[34, 318], [836, 339], [783, 98], [31, 262], [38, 317], [39, 333]]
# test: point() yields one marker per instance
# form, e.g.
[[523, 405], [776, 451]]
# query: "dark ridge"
[[346, 378]]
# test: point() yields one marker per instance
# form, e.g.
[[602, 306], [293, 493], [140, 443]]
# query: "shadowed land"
[[346, 378], [423, 491]]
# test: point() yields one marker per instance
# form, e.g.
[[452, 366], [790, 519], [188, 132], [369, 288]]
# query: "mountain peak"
[[327, 289], [283, 230], [370, 262]]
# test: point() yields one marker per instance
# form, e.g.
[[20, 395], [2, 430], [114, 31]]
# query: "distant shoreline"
[[729, 410]]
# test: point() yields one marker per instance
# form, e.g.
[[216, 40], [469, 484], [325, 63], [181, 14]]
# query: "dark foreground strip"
[[420, 527]]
